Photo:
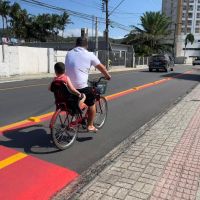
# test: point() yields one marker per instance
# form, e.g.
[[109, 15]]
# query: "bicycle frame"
[[65, 123]]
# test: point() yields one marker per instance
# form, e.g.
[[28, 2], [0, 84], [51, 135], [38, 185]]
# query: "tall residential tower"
[[185, 17]]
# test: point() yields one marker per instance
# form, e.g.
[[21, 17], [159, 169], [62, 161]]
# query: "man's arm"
[[103, 70]]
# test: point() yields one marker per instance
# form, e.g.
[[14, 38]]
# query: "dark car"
[[161, 61], [196, 61]]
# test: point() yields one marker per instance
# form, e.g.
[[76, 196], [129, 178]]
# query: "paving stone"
[[121, 194], [112, 190]]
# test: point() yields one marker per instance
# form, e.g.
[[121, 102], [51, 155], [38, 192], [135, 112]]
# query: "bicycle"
[[68, 118]]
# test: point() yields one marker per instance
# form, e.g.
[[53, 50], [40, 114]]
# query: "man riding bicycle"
[[78, 62]]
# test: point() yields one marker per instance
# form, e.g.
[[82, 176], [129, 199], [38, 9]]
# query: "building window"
[[198, 23], [190, 8], [197, 30], [191, 1], [188, 30], [189, 22], [198, 15], [198, 8], [184, 8], [183, 30], [189, 15]]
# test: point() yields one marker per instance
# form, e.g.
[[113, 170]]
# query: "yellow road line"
[[3, 128], [35, 119], [25, 86], [12, 159]]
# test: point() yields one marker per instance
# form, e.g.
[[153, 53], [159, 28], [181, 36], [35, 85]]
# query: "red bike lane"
[[26, 177]]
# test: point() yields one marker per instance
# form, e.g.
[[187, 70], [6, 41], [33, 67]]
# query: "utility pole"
[[105, 2], [96, 37], [174, 42], [107, 36]]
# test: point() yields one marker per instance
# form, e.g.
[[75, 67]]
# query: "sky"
[[128, 13]]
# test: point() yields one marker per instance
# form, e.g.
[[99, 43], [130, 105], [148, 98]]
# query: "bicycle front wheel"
[[101, 112], [64, 129]]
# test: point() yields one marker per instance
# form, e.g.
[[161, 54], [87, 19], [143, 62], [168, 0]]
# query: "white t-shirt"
[[78, 62]]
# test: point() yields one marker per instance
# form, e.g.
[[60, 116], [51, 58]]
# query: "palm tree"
[[4, 12], [189, 38], [63, 21], [149, 38]]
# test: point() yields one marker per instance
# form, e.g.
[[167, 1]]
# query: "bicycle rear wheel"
[[101, 112], [64, 128]]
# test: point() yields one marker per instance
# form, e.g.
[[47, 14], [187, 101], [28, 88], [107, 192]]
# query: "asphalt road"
[[127, 114]]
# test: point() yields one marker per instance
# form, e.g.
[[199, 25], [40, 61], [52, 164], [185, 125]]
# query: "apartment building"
[[185, 17]]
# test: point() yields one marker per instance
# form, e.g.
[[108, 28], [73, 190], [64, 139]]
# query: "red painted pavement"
[[31, 178], [5, 153]]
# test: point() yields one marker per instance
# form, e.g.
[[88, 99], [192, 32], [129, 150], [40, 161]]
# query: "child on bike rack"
[[59, 69]]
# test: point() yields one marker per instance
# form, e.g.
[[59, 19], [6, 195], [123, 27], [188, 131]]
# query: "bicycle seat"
[[64, 99]]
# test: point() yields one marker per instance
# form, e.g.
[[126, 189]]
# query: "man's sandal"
[[92, 130]]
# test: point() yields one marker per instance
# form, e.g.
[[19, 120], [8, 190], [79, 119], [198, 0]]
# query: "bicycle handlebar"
[[96, 82], [102, 77]]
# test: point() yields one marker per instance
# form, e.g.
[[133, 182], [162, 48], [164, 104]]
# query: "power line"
[[75, 13], [116, 7]]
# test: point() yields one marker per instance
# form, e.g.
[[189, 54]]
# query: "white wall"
[[32, 60], [60, 56], [21, 60]]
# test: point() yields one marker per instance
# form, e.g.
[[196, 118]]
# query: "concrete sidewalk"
[[49, 75], [164, 163]]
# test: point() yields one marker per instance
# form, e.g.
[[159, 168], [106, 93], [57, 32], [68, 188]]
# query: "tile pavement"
[[163, 164]]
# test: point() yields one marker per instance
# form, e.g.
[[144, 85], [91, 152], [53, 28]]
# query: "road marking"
[[25, 86], [12, 159], [141, 87], [37, 119], [24, 123]]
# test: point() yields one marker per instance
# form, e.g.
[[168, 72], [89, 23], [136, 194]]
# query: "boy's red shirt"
[[62, 77]]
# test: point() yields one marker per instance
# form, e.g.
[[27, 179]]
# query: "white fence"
[[141, 61]]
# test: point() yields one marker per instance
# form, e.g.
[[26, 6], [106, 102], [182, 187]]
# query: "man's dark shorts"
[[90, 98]]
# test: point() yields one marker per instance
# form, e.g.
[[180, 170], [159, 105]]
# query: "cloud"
[[117, 37], [77, 32]]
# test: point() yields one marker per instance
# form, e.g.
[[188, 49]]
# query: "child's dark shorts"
[[90, 98]]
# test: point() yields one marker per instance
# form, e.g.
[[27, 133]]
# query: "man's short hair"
[[81, 42], [59, 68]]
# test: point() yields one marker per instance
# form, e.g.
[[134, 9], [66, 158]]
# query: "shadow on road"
[[31, 140], [190, 77], [34, 140]]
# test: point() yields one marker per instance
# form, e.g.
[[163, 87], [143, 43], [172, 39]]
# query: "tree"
[[189, 38], [42, 27], [4, 12], [63, 21], [149, 38]]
